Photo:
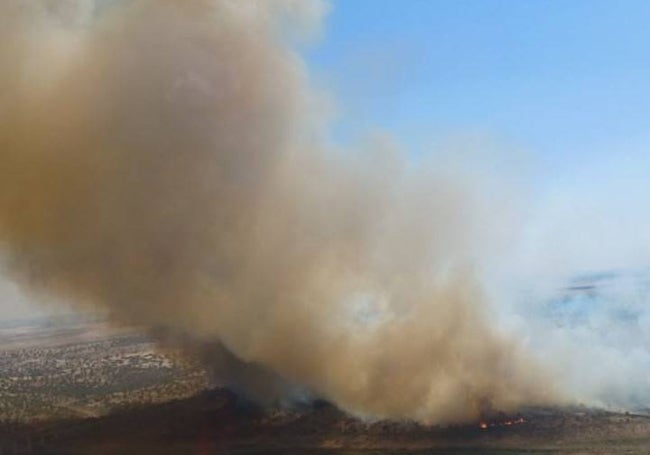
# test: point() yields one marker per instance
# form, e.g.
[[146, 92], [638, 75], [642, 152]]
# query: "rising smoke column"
[[166, 160]]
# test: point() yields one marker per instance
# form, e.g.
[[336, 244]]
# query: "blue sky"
[[568, 80]]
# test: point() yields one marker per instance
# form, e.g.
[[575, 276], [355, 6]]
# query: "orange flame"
[[502, 423]]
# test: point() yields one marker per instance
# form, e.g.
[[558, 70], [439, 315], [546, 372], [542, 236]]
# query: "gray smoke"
[[167, 160]]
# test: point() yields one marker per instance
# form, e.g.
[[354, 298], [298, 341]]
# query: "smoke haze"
[[168, 161]]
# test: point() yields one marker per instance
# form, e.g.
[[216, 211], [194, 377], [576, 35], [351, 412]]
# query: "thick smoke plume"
[[166, 160]]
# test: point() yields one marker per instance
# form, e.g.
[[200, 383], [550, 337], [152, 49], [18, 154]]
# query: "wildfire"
[[501, 423]]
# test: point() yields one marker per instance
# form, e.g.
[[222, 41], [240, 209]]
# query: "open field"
[[85, 369], [84, 388], [217, 421]]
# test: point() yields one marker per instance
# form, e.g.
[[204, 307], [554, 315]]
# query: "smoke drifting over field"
[[166, 160]]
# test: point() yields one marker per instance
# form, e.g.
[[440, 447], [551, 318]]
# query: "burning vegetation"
[[217, 421], [505, 422]]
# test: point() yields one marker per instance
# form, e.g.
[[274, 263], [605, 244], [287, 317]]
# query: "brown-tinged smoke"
[[164, 159]]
